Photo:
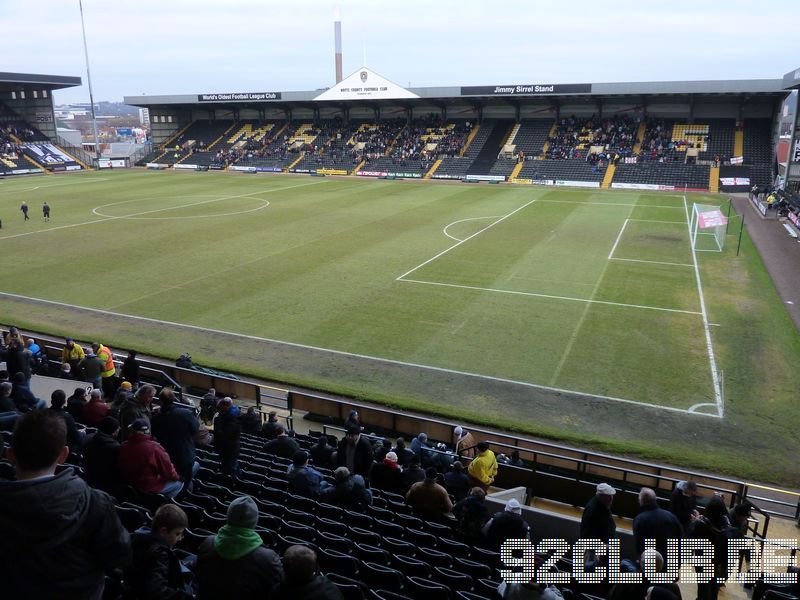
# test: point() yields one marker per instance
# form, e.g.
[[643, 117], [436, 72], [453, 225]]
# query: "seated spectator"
[[381, 449], [514, 460], [303, 579], [483, 468], [174, 427], [429, 499], [156, 572], [321, 452], [62, 534], [95, 410], [282, 445], [441, 459], [22, 395], [227, 436], [348, 491], [75, 436], [419, 444], [355, 452], [76, 403], [100, 457], [506, 525], [251, 421], [145, 465], [413, 474], [234, 563], [404, 454], [472, 514], [304, 479], [121, 397], [37, 357], [456, 481], [8, 410], [386, 474], [272, 428]]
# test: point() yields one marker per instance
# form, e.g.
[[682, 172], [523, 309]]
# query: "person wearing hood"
[[386, 474], [227, 435], [234, 563], [59, 535], [137, 407], [155, 572], [145, 465]]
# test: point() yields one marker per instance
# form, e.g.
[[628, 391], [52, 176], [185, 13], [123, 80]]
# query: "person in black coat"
[[76, 402], [506, 525], [174, 427], [456, 481], [412, 474], [272, 428], [155, 571], [654, 523], [715, 527], [18, 360], [597, 522], [302, 579], [282, 445], [404, 454], [75, 436], [251, 421], [386, 474], [349, 491], [321, 452], [130, 368], [683, 503], [227, 436], [100, 457], [355, 452], [22, 395]]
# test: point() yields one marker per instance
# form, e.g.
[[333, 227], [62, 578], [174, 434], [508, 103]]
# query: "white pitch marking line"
[[694, 409], [446, 250], [354, 355], [651, 262], [535, 295], [709, 344], [619, 236], [7, 237], [606, 204], [446, 227], [652, 221]]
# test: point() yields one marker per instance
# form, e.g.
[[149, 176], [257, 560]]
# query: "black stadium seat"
[[364, 536], [380, 576], [337, 562], [396, 546], [350, 588], [422, 589], [411, 566], [453, 579], [474, 569], [334, 542], [365, 552]]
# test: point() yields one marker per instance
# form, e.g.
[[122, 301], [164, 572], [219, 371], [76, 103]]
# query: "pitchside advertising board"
[[539, 89]]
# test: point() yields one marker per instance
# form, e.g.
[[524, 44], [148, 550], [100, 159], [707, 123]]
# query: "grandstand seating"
[[757, 142], [488, 152], [677, 175], [532, 136], [567, 170]]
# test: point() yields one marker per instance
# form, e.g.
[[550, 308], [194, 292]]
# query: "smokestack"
[[337, 33]]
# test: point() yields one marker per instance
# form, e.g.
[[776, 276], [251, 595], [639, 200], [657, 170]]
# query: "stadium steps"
[[637, 147], [738, 143], [432, 170], [294, 162], [165, 146], [470, 137], [512, 134], [217, 141], [553, 130], [609, 176], [713, 180], [482, 164], [517, 169], [359, 166]]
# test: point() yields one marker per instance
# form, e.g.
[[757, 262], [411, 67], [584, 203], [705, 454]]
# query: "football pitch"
[[579, 314]]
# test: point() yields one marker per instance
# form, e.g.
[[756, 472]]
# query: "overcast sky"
[[196, 46]]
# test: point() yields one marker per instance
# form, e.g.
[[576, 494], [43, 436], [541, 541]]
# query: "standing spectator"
[[464, 442], [251, 422], [654, 523], [234, 563], [145, 465], [597, 521], [353, 419], [483, 468], [348, 490], [72, 355], [272, 428], [137, 407], [100, 457], [18, 360], [714, 527], [130, 368], [109, 372], [429, 499], [96, 409], [75, 436], [472, 514], [456, 481], [282, 445], [321, 452], [738, 516], [13, 334], [683, 503], [36, 356], [404, 455], [227, 435], [155, 572], [506, 525], [76, 403], [355, 452], [386, 474], [174, 427], [302, 578], [91, 370], [304, 479], [208, 406], [59, 535], [413, 474]]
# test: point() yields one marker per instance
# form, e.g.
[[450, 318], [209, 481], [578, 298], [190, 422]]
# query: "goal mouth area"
[[707, 228]]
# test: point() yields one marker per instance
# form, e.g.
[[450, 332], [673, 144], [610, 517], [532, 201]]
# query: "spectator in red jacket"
[[145, 465], [95, 409]]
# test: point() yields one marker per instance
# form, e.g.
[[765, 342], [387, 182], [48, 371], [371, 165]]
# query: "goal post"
[[707, 228]]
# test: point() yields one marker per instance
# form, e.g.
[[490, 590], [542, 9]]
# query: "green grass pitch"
[[575, 314]]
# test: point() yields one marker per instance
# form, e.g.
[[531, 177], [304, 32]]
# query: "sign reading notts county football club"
[[239, 97], [526, 90], [365, 85]]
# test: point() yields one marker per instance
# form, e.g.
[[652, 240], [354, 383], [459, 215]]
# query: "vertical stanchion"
[[728, 216], [741, 231]]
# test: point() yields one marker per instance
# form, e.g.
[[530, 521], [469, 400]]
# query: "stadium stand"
[[677, 175], [563, 170]]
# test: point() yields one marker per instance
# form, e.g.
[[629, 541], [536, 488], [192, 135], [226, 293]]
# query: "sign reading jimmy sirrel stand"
[[365, 85], [537, 89]]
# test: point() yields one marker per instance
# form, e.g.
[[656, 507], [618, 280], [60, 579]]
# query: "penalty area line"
[[360, 356]]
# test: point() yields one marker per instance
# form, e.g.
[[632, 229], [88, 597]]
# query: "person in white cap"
[[464, 442], [597, 522], [506, 525]]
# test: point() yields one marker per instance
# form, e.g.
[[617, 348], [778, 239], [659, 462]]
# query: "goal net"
[[707, 228]]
